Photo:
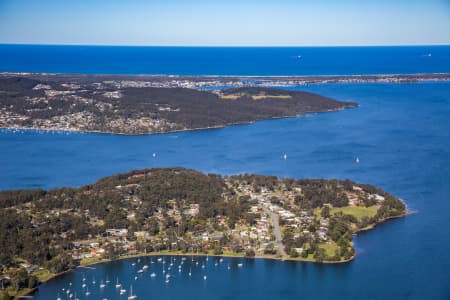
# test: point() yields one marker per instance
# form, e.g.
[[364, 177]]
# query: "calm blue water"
[[401, 133], [225, 60]]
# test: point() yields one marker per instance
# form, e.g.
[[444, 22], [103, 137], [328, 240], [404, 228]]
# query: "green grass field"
[[358, 211]]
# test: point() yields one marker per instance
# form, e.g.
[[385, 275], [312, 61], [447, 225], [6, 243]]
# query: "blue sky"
[[229, 23]]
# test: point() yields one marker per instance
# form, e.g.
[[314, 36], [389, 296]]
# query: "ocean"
[[400, 132], [225, 60]]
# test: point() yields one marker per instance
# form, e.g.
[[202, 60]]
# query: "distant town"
[[183, 212], [128, 104]]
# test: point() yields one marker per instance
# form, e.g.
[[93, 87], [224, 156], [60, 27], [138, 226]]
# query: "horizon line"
[[226, 46]]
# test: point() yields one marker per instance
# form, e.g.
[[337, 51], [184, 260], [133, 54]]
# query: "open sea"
[[400, 132], [225, 60]]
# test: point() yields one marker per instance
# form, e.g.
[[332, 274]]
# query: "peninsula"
[[134, 105], [182, 211]]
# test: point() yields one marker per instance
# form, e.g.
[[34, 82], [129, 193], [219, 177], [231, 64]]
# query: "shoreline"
[[216, 76], [30, 292], [50, 130]]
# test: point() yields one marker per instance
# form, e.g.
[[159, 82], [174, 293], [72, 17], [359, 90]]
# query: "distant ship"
[[285, 156], [154, 155], [357, 160]]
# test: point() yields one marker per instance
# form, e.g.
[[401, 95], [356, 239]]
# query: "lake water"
[[401, 133], [225, 60]]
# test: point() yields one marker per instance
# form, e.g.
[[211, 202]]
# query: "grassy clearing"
[[330, 247], [357, 211], [255, 97], [43, 275]]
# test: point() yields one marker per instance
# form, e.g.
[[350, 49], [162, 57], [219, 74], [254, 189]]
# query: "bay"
[[400, 132]]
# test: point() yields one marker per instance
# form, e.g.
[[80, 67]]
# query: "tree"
[[4, 295], [293, 253], [218, 250], [320, 255], [250, 253], [325, 212]]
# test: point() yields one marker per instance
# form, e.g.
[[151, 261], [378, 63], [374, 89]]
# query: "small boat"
[[145, 267], [102, 285], [135, 277], [131, 297], [154, 155], [118, 285], [357, 160], [190, 272], [123, 291], [229, 268], [140, 271], [240, 265], [133, 264], [87, 292], [59, 298], [205, 277], [153, 275], [285, 156], [83, 285]]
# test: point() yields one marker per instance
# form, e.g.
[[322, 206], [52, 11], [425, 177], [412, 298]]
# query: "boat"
[[240, 265], [190, 272], [205, 277], [154, 155], [145, 267], [357, 160], [285, 156], [59, 298], [102, 285], [83, 285], [87, 292], [153, 275], [118, 285], [131, 297], [122, 291]]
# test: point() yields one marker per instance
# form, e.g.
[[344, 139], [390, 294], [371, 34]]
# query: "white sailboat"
[[131, 297]]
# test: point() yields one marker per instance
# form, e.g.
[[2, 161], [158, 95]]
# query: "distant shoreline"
[[444, 76], [63, 130]]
